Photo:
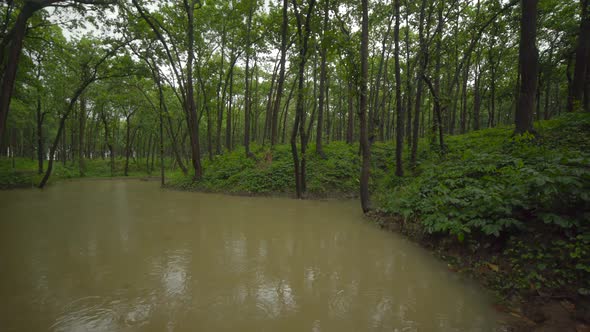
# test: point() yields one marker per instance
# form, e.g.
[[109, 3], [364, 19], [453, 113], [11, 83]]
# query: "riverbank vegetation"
[[463, 124]]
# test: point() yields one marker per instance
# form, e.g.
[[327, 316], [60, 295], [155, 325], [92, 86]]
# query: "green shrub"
[[491, 182]]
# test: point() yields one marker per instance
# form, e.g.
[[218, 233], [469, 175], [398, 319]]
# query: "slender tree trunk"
[[228, 120], [324, 51], [329, 117], [528, 67], [192, 112], [247, 101], [81, 132], [147, 154], [286, 111], [408, 81], [281, 79], [399, 143], [60, 131], [374, 120], [493, 69], [162, 174], [476, 96], [438, 108], [364, 138], [220, 98], [164, 108], [313, 102], [127, 144], [269, 105], [303, 32], [463, 115], [40, 148], [576, 97], [423, 64], [587, 85], [350, 122]]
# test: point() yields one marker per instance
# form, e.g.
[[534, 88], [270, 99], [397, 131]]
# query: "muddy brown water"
[[125, 255]]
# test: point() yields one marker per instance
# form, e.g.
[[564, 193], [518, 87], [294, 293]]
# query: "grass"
[[22, 172]]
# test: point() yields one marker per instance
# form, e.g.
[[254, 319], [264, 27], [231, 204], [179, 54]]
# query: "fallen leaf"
[[493, 267], [570, 307]]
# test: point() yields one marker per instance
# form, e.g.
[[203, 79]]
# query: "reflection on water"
[[128, 256]]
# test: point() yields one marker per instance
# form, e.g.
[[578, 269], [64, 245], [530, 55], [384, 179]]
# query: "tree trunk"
[[164, 109], [269, 104], [303, 33], [228, 120], [192, 112], [399, 143], [81, 131], [220, 98], [162, 175], [423, 64], [350, 122], [374, 120], [324, 52], [408, 82], [13, 49], [476, 95], [528, 67], [60, 130], [127, 143], [576, 97], [364, 138], [281, 79], [247, 101], [40, 148]]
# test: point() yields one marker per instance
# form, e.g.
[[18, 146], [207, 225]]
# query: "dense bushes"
[[532, 192], [22, 172], [490, 181], [268, 172]]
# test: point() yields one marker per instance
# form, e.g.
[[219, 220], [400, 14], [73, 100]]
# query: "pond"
[[126, 255]]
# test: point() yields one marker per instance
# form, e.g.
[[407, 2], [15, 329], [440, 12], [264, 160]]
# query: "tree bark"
[[303, 33], [576, 97], [220, 97], [281, 79], [40, 148], [364, 138], [528, 67], [399, 143], [127, 142], [228, 120], [81, 132], [192, 112], [324, 52], [14, 46], [247, 93], [423, 56]]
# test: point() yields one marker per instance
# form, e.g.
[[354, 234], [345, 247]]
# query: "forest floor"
[[511, 212]]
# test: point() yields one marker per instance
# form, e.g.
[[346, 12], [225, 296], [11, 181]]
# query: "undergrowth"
[[529, 193]]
